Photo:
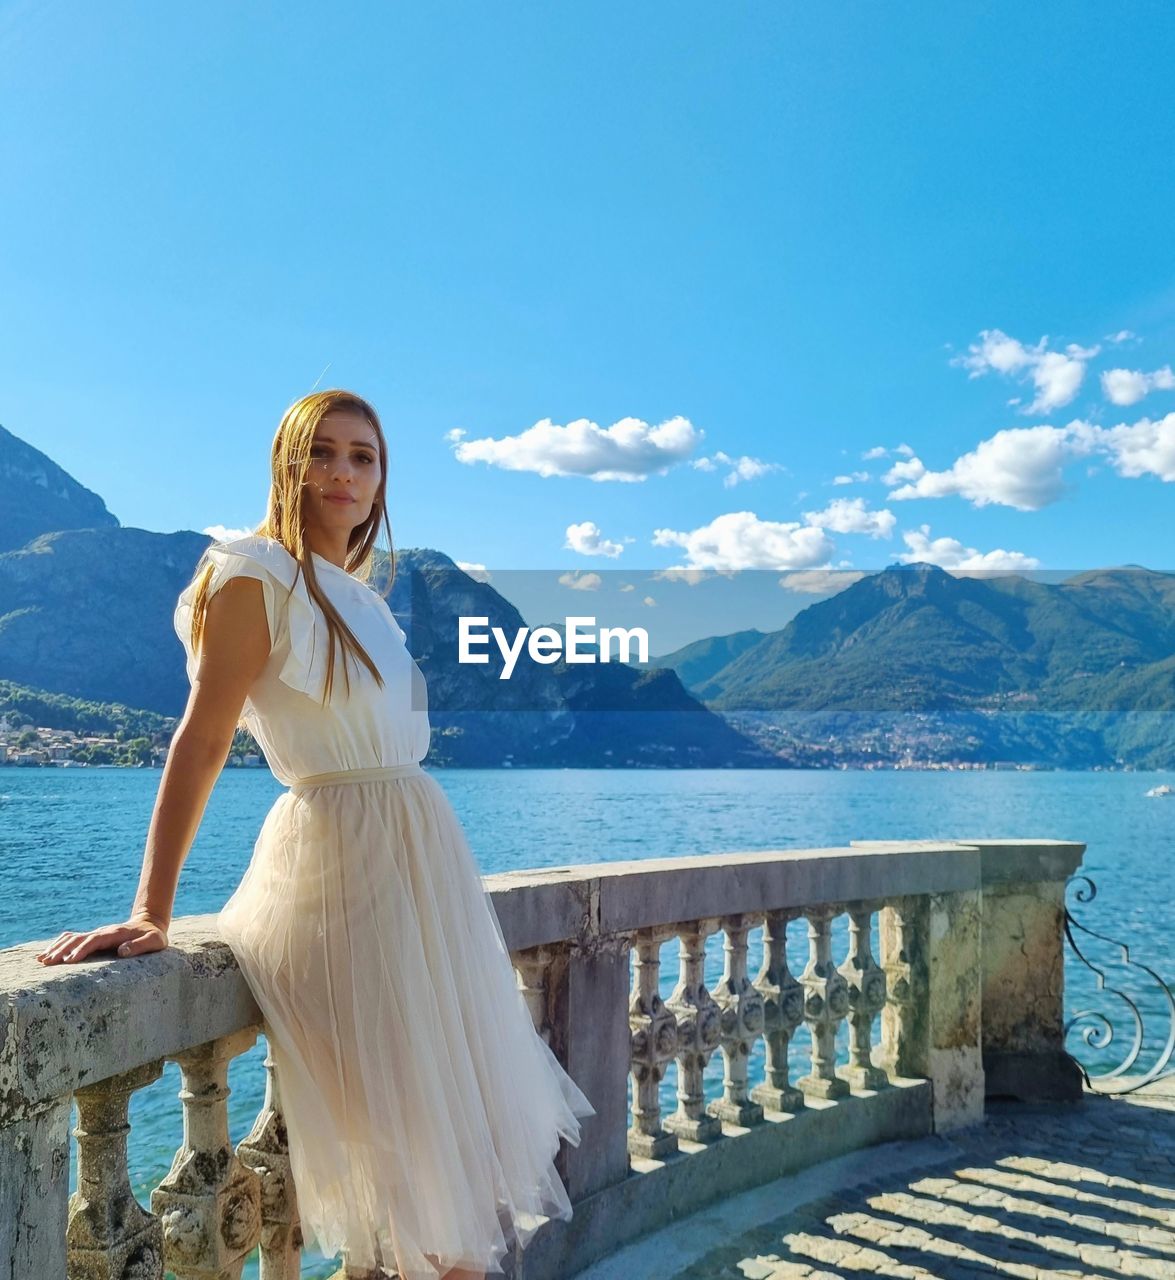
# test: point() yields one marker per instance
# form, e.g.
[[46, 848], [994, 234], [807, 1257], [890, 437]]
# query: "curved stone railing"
[[966, 983]]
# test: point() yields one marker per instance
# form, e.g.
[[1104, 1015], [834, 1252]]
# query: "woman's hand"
[[135, 937]]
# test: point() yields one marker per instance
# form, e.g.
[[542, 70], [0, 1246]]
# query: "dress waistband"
[[357, 775]]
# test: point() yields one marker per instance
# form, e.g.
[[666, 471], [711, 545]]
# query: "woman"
[[424, 1111]]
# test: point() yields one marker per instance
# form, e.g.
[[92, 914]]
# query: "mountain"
[[915, 661], [698, 662], [86, 613], [39, 497], [911, 663], [585, 714]]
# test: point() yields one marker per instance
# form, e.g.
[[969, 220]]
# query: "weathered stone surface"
[[954, 1002], [1024, 969], [34, 1190], [65, 1026], [932, 1026]]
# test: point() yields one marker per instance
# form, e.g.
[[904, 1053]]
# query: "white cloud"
[[1144, 448], [1128, 386], [1123, 335], [1056, 376], [628, 450], [1021, 467], [476, 571], [821, 582], [457, 433], [740, 540], [222, 533], [880, 451], [649, 602], [581, 581], [585, 538], [852, 515], [741, 468], [912, 469], [854, 477], [745, 468], [950, 553], [691, 577], [627, 586]]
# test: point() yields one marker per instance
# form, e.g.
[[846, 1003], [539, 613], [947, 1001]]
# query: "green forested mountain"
[[700, 661], [914, 660], [21, 705]]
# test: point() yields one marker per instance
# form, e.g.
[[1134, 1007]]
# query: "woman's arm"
[[233, 652]]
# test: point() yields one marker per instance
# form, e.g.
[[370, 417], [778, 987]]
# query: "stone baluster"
[[826, 1002], [783, 1011], [266, 1152], [699, 1032], [903, 923], [653, 1030], [741, 1003], [866, 983], [110, 1236], [209, 1203], [531, 968]]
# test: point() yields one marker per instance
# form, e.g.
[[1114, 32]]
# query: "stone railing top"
[[1012, 861], [602, 898], [68, 1026]]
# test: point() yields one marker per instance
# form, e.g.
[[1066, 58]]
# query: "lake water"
[[71, 843]]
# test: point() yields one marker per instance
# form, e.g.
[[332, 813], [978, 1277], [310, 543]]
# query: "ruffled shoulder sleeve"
[[291, 613]]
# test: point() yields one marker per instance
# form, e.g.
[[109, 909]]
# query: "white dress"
[[423, 1110]]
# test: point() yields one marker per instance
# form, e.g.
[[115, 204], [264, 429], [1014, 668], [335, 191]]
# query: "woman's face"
[[344, 472]]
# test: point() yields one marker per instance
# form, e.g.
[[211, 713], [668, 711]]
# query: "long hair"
[[285, 522]]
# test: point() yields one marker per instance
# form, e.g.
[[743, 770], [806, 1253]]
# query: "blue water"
[[71, 843]]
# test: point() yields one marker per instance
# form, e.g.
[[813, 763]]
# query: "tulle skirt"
[[423, 1110]]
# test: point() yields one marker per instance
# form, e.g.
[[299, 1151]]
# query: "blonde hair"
[[285, 522]]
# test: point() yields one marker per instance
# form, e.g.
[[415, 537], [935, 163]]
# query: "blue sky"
[[764, 239]]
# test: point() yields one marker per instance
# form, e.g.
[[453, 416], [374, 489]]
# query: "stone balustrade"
[[862, 1042]]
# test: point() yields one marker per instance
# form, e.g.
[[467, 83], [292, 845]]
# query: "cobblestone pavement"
[[1080, 1190]]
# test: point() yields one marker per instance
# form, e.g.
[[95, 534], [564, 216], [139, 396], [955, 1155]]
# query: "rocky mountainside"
[[913, 660], [87, 612], [559, 714], [39, 497]]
